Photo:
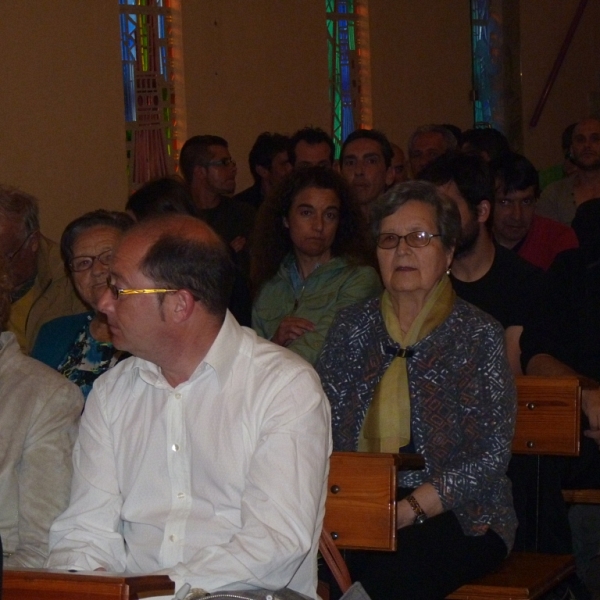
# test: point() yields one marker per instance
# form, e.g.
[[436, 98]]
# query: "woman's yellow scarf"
[[387, 423]]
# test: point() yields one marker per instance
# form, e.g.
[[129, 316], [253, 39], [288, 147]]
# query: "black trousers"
[[432, 560], [542, 513]]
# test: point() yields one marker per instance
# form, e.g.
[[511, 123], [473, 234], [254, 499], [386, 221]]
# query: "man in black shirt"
[[483, 273], [565, 340], [269, 163], [209, 170], [507, 287]]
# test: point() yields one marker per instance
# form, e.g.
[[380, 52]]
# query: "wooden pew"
[[548, 423], [360, 509], [51, 584]]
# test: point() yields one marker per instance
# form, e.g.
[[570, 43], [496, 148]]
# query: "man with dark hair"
[[399, 164], [426, 143], [487, 142], [565, 340], [205, 454], [269, 163], [41, 289], [484, 273], [311, 147], [366, 163], [507, 287], [209, 170], [535, 238]]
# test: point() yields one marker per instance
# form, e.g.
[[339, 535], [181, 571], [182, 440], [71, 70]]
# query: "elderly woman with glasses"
[[420, 370], [79, 346]]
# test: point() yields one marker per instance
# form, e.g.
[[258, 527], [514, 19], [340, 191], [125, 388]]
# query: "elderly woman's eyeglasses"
[[83, 263], [415, 239], [116, 291]]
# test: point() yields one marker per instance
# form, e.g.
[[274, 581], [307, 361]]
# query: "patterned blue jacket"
[[463, 406]]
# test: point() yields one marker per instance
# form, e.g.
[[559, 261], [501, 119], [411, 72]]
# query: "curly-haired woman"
[[310, 258]]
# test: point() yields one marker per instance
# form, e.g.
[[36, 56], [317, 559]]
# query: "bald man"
[[205, 455], [560, 199]]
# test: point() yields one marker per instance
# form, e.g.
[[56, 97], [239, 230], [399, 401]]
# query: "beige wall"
[[61, 123], [421, 68], [251, 66], [420, 64], [544, 24]]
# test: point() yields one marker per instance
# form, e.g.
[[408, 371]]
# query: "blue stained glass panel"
[[341, 45]]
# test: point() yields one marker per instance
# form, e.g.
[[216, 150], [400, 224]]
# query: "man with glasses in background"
[[41, 289], [204, 455], [209, 170]]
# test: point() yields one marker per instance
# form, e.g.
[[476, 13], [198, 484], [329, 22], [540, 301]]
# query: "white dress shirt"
[[219, 482]]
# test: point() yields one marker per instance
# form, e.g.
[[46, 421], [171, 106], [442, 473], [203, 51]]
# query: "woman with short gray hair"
[[420, 370]]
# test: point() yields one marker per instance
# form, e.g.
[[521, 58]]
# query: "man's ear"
[[182, 305], [262, 172], [389, 176], [34, 244], [199, 173], [484, 211]]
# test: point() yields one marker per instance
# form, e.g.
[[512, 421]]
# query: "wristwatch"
[[420, 516]]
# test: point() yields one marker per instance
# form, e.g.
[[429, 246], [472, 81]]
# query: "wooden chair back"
[[360, 510], [548, 416], [548, 423]]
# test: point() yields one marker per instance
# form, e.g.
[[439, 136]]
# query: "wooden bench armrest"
[[360, 512]]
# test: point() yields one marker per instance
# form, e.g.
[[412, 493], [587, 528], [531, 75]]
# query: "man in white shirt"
[[204, 456]]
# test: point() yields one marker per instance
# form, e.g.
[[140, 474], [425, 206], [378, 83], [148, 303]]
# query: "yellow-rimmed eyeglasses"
[[116, 292]]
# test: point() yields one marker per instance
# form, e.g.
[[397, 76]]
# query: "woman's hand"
[[290, 329], [428, 499]]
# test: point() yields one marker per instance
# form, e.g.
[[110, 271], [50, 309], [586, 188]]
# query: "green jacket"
[[326, 290]]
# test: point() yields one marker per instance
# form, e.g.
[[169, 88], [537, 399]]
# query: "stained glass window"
[[147, 40], [349, 67], [496, 67]]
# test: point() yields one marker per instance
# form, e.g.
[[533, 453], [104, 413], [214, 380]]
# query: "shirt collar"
[[220, 357], [224, 349]]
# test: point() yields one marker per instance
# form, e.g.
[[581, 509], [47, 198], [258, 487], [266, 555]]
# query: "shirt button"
[[172, 538], [181, 495], [178, 396], [175, 447]]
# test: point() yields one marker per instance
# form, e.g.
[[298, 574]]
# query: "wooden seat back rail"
[[50, 584], [361, 499], [548, 423]]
